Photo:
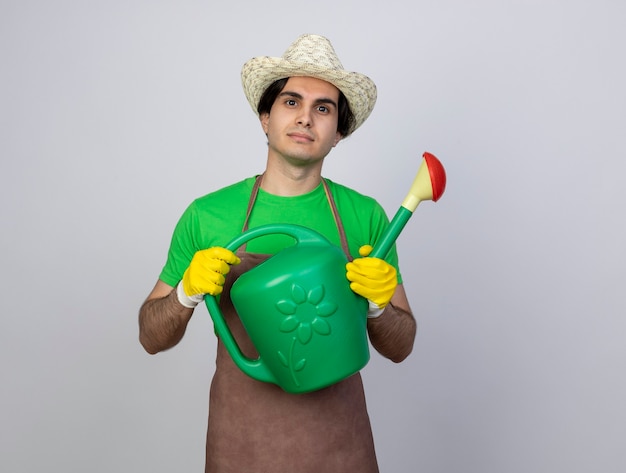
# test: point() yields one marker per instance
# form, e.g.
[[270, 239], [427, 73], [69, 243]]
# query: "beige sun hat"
[[310, 56]]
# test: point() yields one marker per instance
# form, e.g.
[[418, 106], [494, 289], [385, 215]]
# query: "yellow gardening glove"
[[372, 278], [205, 275]]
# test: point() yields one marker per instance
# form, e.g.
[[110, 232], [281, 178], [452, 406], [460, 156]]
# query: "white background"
[[116, 114]]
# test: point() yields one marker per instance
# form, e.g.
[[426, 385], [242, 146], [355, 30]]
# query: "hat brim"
[[259, 73]]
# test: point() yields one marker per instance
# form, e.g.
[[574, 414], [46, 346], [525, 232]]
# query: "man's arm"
[[392, 333], [162, 319]]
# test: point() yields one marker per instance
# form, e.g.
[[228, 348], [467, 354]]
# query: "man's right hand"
[[205, 275]]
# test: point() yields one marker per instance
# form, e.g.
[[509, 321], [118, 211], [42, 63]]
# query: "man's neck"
[[290, 181]]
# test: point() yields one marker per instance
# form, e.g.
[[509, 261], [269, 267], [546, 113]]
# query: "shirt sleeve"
[[182, 247]]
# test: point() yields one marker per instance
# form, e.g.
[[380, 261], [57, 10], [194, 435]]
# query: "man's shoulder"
[[226, 195], [341, 191]]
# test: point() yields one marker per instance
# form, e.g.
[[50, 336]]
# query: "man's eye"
[[323, 109], [291, 102]]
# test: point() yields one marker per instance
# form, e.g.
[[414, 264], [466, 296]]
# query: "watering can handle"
[[254, 368]]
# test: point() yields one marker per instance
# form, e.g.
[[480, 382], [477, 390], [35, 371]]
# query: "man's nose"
[[304, 117]]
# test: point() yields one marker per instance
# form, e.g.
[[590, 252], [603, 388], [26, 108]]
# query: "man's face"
[[301, 127]]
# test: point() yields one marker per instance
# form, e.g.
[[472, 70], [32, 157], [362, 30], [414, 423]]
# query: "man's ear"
[[338, 138], [265, 119]]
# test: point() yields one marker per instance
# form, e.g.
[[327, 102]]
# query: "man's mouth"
[[300, 137]]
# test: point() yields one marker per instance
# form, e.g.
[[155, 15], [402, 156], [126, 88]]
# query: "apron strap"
[[342, 232], [253, 195]]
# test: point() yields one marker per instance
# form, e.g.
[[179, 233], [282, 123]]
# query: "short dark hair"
[[345, 119]]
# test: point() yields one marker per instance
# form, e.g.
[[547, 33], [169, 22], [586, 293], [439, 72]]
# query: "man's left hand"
[[372, 278]]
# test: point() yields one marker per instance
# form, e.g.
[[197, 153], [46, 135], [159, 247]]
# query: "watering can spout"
[[429, 184]]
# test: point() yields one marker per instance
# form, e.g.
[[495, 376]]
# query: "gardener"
[[306, 103]]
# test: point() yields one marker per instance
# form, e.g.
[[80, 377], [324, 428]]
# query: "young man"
[[306, 104]]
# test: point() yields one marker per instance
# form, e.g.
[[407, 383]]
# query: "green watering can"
[[308, 326]]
